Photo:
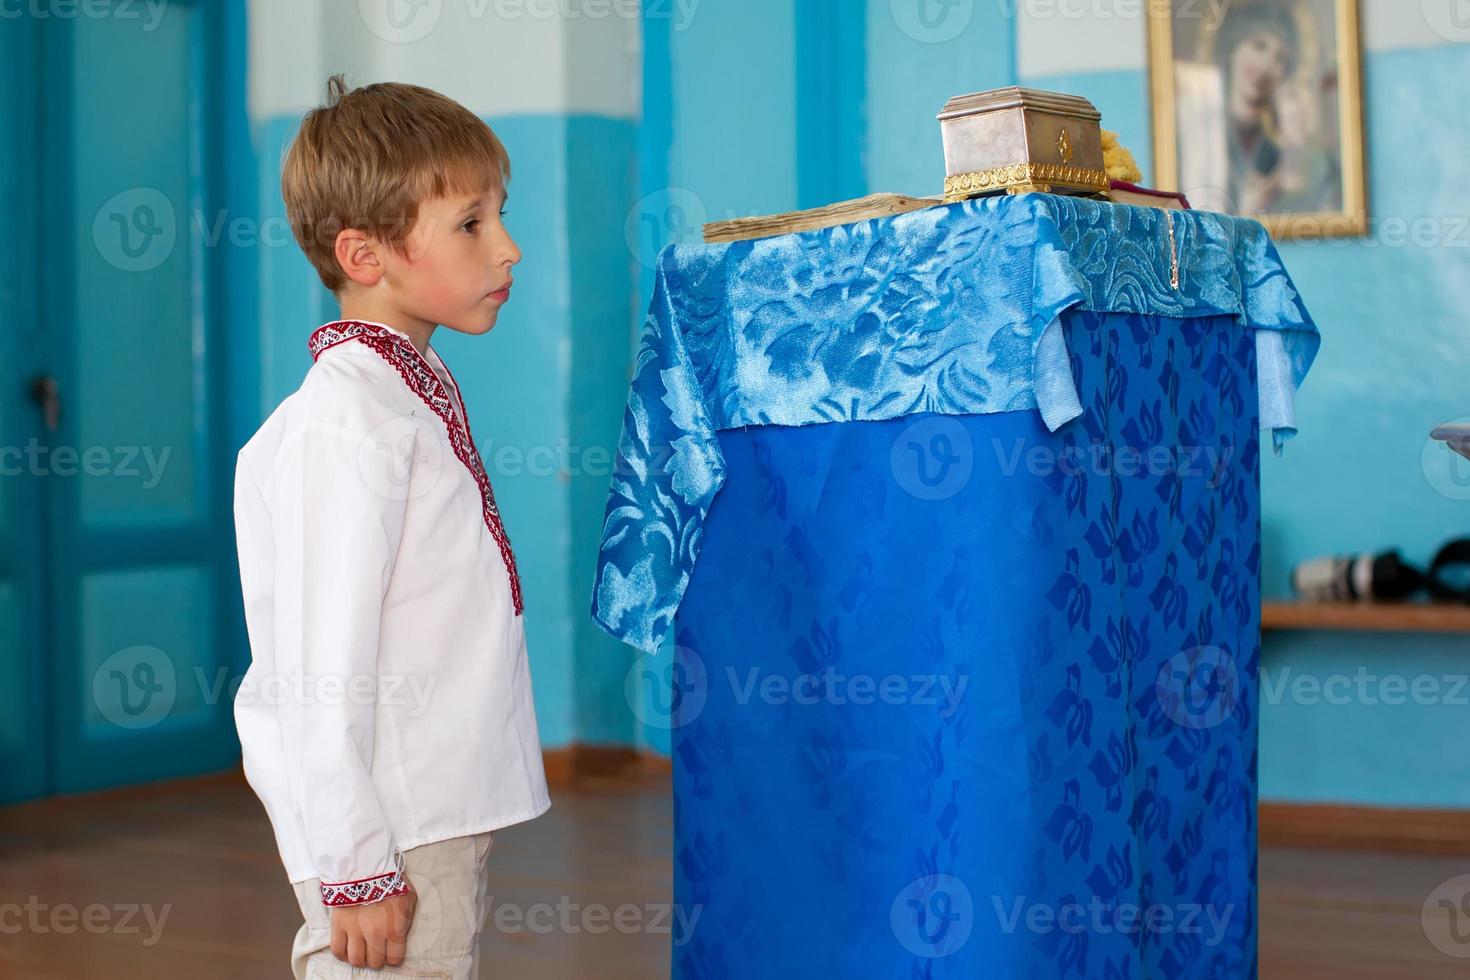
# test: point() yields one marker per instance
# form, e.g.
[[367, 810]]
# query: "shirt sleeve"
[[340, 514]]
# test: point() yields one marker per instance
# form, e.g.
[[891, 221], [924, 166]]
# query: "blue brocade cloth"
[[964, 677]]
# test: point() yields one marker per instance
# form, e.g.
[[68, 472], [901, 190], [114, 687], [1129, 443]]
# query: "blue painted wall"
[[603, 273], [1395, 363], [735, 144], [921, 52]]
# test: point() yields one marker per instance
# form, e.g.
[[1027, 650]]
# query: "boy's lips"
[[502, 294]]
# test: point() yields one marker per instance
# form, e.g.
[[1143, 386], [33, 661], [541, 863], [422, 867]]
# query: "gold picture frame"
[[1343, 190]]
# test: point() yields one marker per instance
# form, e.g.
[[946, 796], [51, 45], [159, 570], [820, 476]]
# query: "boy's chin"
[[476, 324]]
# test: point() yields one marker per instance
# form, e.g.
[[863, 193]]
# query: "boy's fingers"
[[357, 949], [339, 942], [401, 921], [375, 953], [399, 924]]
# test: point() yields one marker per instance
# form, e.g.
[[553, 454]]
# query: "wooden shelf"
[[1364, 828], [1406, 617]]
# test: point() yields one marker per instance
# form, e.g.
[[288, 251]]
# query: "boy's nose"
[[509, 253]]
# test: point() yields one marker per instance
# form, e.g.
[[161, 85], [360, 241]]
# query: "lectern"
[[946, 528]]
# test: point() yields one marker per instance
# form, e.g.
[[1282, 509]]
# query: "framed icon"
[[1258, 111]]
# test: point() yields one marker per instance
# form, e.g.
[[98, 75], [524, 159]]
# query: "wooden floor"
[[201, 854]]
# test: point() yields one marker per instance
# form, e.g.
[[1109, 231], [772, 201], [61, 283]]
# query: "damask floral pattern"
[[974, 698], [950, 310]]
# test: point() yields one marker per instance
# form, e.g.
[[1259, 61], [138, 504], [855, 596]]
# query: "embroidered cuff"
[[366, 891]]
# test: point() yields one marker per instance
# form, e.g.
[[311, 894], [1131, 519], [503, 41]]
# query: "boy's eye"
[[470, 225]]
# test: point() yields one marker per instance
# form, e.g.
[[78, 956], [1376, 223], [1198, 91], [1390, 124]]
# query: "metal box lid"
[[1017, 139], [1016, 97]]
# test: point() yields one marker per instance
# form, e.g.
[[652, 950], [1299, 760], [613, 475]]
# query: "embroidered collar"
[[331, 334], [395, 347]]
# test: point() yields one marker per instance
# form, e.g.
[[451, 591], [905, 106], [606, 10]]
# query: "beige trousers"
[[443, 942]]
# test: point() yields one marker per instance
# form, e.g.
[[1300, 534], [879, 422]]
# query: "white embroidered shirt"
[[388, 701]]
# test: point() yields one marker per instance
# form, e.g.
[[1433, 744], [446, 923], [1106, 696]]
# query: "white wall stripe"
[[1062, 37], [497, 57]]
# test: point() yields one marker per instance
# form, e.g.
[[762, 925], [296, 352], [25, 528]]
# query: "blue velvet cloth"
[[953, 310], [964, 678]]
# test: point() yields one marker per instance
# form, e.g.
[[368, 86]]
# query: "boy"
[[386, 720]]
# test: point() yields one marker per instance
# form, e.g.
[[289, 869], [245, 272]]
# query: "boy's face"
[[456, 266]]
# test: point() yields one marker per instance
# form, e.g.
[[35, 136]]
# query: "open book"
[[838, 213], [882, 205]]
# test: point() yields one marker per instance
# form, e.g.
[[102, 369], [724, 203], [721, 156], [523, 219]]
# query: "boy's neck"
[[419, 331]]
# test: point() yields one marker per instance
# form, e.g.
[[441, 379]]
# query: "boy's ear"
[[358, 254]]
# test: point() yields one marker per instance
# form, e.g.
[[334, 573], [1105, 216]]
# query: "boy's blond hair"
[[370, 156]]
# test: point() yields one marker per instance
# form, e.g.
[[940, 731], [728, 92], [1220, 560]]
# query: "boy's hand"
[[373, 935]]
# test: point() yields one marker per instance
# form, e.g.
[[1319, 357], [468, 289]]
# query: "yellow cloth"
[[1117, 161]]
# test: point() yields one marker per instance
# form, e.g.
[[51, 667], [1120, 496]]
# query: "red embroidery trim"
[[365, 891], [422, 381]]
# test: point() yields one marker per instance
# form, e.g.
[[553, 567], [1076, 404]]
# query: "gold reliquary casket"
[[1020, 139]]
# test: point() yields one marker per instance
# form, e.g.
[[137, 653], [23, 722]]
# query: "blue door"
[[24, 718], [118, 549]]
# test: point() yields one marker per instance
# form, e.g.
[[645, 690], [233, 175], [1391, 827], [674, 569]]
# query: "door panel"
[[23, 664], [136, 148], [146, 672], [138, 532]]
